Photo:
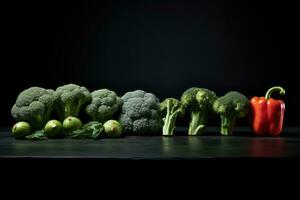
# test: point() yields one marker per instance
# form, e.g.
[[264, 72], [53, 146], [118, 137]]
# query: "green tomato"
[[53, 129], [112, 128], [71, 124], [20, 130]]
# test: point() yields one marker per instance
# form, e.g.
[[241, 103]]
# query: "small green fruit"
[[20, 130], [71, 124], [112, 128], [53, 129]]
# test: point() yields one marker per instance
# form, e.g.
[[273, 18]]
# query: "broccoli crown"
[[105, 103], [198, 98], [174, 105], [232, 103], [140, 113], [71, 99], [188, 98], [34, 105]]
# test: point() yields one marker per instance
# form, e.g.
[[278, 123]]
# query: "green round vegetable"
[[53, 129], [71, 124], [20, 130], [112, 128]]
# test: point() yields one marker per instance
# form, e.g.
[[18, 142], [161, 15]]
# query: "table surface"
[[211, 145]]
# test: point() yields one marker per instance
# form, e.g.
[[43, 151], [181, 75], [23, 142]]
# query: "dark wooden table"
[[210, 145]]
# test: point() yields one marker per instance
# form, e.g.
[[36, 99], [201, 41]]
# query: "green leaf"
[[91, 130], [37, 135]]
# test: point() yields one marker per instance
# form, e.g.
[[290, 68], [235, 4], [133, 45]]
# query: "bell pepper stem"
[[273, 89]]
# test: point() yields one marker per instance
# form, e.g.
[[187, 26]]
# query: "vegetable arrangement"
[[45, 113]]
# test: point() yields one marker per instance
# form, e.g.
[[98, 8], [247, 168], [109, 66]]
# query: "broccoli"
[[71, 99], [171, 108], [231, 106], [34, 105], [199, 101], [105, 103], [140, 113]]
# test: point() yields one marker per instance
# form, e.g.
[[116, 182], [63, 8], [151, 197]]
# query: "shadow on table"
[[239, 131]]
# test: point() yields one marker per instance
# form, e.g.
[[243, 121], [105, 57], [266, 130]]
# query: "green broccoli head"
[[71, 99], [188, 98], [171, 109], [105, 103], [199, 101], [174, 105], [34, 105], [231, 106], [140, 113]]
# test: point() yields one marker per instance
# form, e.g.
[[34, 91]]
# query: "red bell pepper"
[[266, 114]]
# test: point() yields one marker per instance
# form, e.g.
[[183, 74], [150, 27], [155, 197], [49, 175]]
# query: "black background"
[[163, 47]]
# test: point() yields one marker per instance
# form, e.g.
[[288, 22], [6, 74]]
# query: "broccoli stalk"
[[172, 108], [169, 120], [227, 124], [197, 122], [199, 101], [73, 107], [38, 121], [230, 107]]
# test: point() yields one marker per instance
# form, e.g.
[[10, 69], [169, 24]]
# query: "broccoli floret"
[[171, 108], [230, 107], [199, 101], [34, 105], [71, 99], [140, 113], [105, 103]]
